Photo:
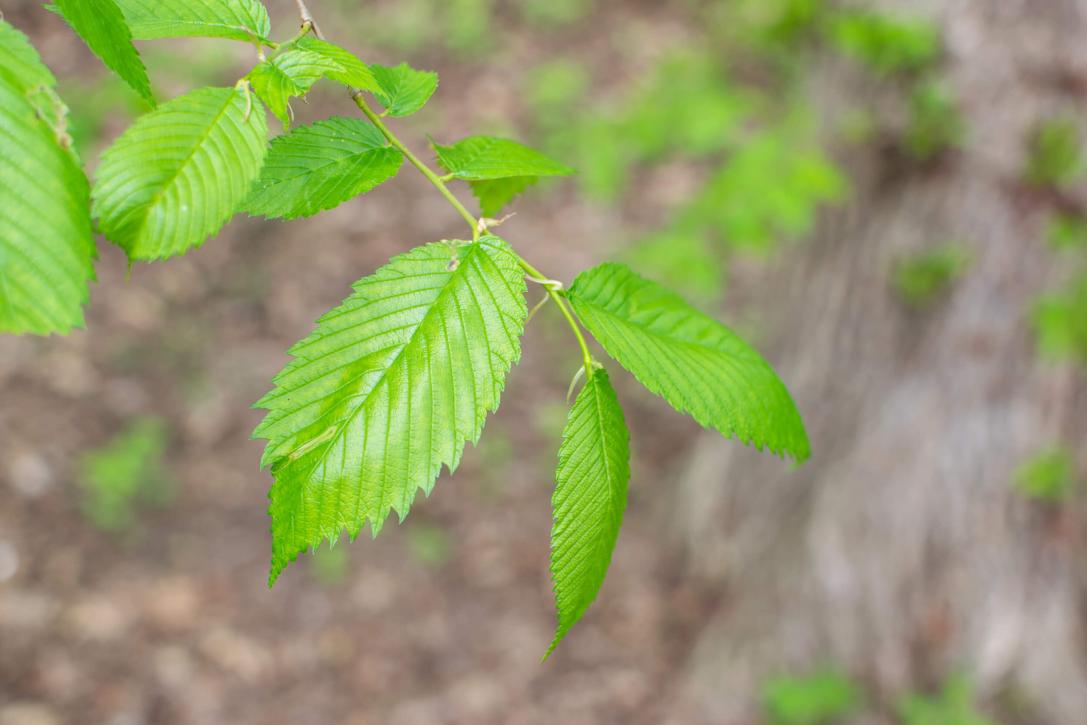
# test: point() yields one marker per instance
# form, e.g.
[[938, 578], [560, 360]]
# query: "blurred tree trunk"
[[901, 552]]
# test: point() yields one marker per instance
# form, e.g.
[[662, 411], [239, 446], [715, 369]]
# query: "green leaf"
[[497, 168], [177, 175], [495, 194], [352, 71], [403, 90], [245, 20], [694, 362], [319, 167], [20, 65], [46, 244], [289, 74], [104, 30], [388, 388], [589, 500], [479, 158]]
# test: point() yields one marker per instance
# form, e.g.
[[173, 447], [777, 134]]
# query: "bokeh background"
[[887, 198]]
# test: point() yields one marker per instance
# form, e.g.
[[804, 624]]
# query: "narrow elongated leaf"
[[403, 90], [496, 168], [319, 167], [388, 388], [46, 245], [353, 72], [589, 500], [245, 20], [287, 75], [694, 362], [104, 30], [178, 174]]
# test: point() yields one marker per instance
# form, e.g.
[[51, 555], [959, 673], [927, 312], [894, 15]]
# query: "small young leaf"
[[178, 174], [388, 388], [479, 158], [46, 244], [353, 72], [318, 167], [245, 20], [403, 90], [589, 500], [104, 30], [289, 74], [694, 362], [497, 169]]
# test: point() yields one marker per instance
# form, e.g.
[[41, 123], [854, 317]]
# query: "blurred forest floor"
[[886, 198]]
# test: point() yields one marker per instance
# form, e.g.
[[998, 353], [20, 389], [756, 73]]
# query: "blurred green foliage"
[[817, 699], [1056, 153], [429, 545], [328, 564], [1067, 232], [125, 473], [935, 122], [953, 706], [555, 12], [922, 279], [884, 44], [1060, 322], [1048, 475]]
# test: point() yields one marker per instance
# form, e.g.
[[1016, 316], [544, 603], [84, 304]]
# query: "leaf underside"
[[694, 362], [103, 28], [46, 245], [244, 20], [402, 90], [318, 167], [589, 500], [388, 389], [178, 174]]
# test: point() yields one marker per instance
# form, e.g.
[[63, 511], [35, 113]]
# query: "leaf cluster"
[[393, 383]]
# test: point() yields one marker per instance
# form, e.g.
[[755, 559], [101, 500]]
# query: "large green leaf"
[[245, 20], [20, 65], [287, 75], [589, 500], [319, 167], [104, 30], [497, 169], [46, 245], [353, 72], [694, 362], [178, 174], [388, 388], [402, 89]]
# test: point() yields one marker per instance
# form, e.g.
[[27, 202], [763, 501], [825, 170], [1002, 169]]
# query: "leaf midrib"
[[342, 425]]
